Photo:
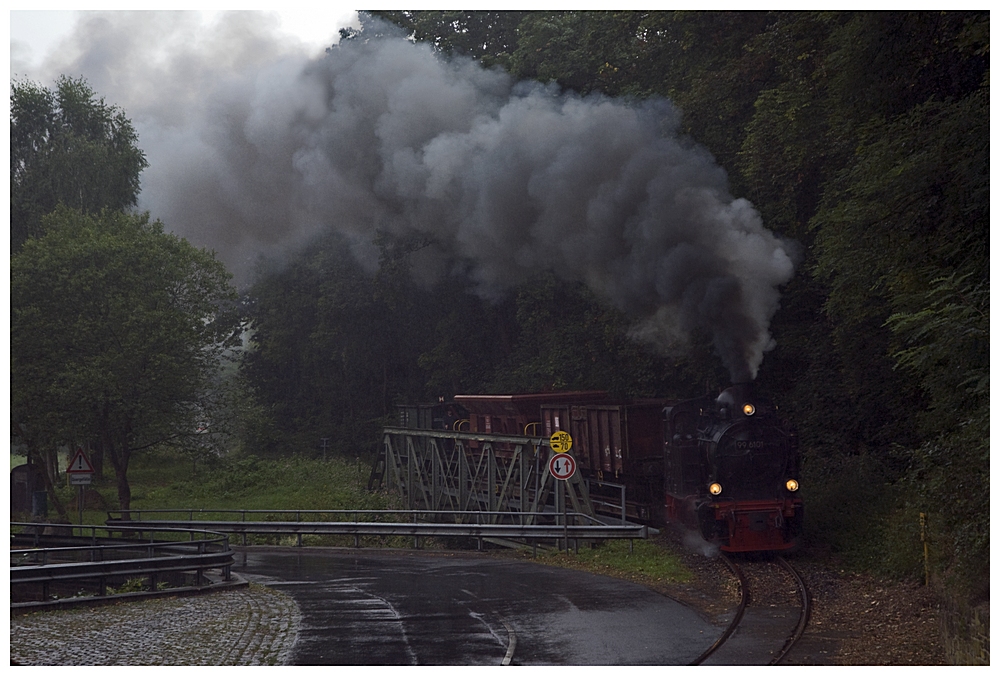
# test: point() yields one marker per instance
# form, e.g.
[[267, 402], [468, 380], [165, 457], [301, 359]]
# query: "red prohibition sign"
[[562, 466]]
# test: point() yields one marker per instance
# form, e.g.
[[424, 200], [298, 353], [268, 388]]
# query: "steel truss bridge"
[[453, 484], [469, 476]]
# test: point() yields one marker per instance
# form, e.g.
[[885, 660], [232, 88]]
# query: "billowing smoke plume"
[[254, 148]]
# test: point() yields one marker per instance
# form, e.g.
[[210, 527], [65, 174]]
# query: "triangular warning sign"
[[79, 464]]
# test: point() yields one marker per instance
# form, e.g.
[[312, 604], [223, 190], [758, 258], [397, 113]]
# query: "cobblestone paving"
[[251, 626]]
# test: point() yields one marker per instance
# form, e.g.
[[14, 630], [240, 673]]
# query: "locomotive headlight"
[[715, 488], [748, 409], [792, 485]]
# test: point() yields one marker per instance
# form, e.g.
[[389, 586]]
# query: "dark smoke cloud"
[[254, 148]]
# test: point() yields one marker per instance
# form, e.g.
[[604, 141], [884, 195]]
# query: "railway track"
[[767, 622]]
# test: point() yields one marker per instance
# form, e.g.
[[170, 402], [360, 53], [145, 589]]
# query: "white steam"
[[694, 541], [255, 147]]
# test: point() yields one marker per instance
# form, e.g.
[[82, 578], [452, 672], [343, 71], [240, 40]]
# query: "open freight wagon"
[[618, 447]]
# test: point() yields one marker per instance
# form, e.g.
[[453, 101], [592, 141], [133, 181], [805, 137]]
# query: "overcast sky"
[[35, 33]]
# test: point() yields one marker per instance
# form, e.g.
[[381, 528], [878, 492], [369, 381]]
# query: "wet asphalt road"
[[364, 607]]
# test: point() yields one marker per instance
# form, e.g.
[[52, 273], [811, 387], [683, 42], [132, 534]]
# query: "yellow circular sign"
[[561, 442]]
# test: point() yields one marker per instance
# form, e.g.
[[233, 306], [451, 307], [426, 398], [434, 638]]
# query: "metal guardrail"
[[350, 515], [75, 564], [75, 539], [529, 526], [619, 506]]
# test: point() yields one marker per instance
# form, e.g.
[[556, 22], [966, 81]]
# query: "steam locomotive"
[[732, 468], [726, 466]]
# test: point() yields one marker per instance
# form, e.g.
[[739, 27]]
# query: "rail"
[[741, 607], [61, 567], [805, 603], [745, 601]]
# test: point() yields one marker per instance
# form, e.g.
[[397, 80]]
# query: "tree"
[[568, 339], [488, 36], [117, 330], [67, 146], [334, 348], [908, 223]]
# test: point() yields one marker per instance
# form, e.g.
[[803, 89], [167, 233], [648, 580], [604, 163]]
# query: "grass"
[[252, 483], [646, 562], [164, 480]]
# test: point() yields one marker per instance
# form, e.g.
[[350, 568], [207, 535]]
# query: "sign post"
[[562, 466], [80, 473]]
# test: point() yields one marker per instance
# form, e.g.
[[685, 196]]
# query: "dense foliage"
[[863, 136], [67, 146], [117, 333]]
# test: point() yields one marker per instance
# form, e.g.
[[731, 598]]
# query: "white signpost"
[[80, 473], [562, 466]]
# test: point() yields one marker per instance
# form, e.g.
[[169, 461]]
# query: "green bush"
[[949, 481], [852, 508]]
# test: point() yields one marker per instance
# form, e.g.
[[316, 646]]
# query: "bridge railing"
[[137, 517], [560, 527]]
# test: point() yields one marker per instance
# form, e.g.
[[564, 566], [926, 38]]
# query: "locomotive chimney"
[[737, 400]]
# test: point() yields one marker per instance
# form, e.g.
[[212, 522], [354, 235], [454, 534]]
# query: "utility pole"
[[323, 444]]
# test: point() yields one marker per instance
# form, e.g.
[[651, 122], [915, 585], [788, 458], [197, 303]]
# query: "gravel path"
[[856, 620], [251, 626]]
